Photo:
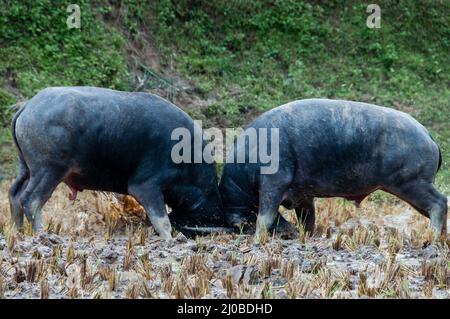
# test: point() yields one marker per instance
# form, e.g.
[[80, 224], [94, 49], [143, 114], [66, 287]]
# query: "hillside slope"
[[230, 60]]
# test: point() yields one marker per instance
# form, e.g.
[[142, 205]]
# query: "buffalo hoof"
[[285, 230]]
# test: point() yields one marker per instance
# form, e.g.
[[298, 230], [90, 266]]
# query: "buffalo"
[[100, 139], [331, 148]]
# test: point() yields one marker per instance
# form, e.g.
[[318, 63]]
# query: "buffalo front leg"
[[272, 188], [149, 196]]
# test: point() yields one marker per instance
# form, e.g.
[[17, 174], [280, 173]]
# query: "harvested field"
[[98, 247]]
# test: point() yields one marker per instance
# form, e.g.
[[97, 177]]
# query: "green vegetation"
[[269, 53], [249, 55], [38, 50]]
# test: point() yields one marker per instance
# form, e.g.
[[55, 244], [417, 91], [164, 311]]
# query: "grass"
[[239, 58], [257, 55]]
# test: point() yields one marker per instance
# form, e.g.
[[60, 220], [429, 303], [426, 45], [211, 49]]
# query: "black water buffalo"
[[333, 148], [101, 139]]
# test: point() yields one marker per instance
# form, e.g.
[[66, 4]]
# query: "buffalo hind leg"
[[427, 200], [306, 214], [149, 196], [37, 192], [15, 191]]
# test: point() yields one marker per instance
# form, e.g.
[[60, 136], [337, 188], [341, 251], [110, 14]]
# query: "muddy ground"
[[98, 247]]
